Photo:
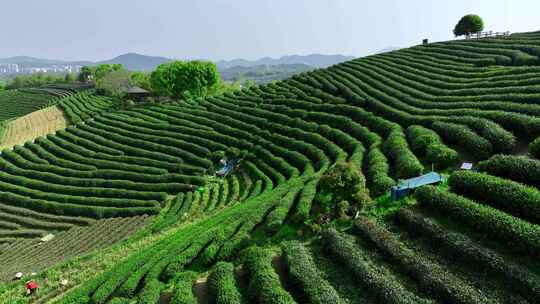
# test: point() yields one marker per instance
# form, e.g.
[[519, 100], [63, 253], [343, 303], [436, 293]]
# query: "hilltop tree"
[[115, 83], [98, 72], [69, 78], [343, 186], [469, 24], [86, 73], [103, 69], [142, 80], [185, 79]]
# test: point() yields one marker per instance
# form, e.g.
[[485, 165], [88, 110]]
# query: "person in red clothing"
[[31, 287]]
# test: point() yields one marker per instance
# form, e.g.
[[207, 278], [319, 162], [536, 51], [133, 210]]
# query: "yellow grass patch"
[[32, 126]]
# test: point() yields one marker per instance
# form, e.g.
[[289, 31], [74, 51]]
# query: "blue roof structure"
[[227, 168], [426, 179], [404, 187]]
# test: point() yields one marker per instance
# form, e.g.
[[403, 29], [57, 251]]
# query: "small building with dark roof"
[[136, 93]]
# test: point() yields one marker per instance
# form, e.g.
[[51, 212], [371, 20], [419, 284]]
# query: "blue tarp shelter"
[[229, 166], [405, 186]]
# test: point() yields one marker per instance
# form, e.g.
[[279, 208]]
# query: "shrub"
[[513, 197], [264, 285], [120, 300], [305, 202], [518, 168], [427, 143], [276, 217], [377, 172], [534, 148], [460, 135], [151, 291], [183, 288], [397, 149], [431, 277], [386, 288], [441, 156], [222, 284], [460, 247], [346, 183], [304, 273], [520, 235]]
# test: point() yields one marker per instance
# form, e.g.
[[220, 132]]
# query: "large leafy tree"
[[469, 24], [115, 83], [103, 70], [98, 72], [185, 79], [86, 73], [142, 80], [344, 182]]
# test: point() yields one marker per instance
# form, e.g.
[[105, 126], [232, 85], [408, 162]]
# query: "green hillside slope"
[[16, 103], [393, 115]]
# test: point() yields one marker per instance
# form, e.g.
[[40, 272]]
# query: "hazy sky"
[[219, 29]]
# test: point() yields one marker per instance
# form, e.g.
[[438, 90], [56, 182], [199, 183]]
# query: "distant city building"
[[11, 68]]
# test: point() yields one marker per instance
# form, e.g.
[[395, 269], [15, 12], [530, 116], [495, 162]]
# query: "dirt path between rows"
[[32, 126]]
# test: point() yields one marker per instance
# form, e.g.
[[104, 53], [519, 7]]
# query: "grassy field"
[[475, 239]]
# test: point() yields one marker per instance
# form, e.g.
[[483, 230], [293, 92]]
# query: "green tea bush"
[[151, 291], [222, 284], [345, 251], [378, 180], [464, 249], [183, 289], [427, 143], [518, 168], [515, 198], [534, 148], [306, 276], [305, 201], [520, 235], [264, 285], [432, 278], [462, 136], [405, 162]]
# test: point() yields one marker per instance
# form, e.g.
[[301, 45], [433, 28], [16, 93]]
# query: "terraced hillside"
[[21, 102], [393, 115], [16, 103], [33, 125]]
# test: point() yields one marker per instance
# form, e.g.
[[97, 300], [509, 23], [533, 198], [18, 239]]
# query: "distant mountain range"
[[133, 61], [263, 73], [314, 60]]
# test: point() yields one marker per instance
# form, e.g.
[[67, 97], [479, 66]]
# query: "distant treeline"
[[263, 73], [39, 79]]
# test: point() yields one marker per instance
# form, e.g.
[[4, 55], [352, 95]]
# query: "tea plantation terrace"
[[392, 115]]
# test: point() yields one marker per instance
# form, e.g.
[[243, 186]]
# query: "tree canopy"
[[115, 83], [142, 80], [98, 72], [86, 73], [346, 183], [38, 79], [469, 24], [185, 79]]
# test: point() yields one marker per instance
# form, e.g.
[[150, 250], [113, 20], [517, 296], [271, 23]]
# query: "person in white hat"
[[18, 276]]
